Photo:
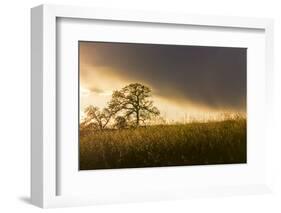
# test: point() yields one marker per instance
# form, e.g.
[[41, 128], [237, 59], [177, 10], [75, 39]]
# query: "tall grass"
[[222, 142]]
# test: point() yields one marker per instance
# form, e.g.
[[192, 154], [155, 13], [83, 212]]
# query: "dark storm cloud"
[[211, 76]]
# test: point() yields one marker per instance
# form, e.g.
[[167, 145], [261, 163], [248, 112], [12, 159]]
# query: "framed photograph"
[[129, 106]]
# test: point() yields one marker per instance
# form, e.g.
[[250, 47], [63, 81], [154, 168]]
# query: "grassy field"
[[165, 145]]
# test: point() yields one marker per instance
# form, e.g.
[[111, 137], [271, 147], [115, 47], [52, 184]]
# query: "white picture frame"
[[44, 83]]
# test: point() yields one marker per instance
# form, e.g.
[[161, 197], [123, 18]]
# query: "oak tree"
[[97, 118], [133, 103]]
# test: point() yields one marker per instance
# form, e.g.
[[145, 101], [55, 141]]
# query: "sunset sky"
[[187, 82]]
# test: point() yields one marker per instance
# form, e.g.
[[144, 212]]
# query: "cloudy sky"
[[186, 81]]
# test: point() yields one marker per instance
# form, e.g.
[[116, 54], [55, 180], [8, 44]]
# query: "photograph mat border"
[[43, 92], [80, 183]]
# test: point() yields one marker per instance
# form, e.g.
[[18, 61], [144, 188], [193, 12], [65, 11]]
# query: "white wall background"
[[15, 103]]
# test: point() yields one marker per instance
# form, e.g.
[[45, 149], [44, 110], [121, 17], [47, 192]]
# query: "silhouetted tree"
[[120, 122], [133, 101], [96, 118]]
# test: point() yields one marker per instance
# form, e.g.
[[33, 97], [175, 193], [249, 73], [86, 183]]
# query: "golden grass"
[[221, 142]]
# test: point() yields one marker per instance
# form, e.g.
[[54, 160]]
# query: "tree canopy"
[[134, 103], [129, 106], [97, 118]]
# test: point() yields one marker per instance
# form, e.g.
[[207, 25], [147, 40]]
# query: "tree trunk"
[[138, 118], [138, 111]]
